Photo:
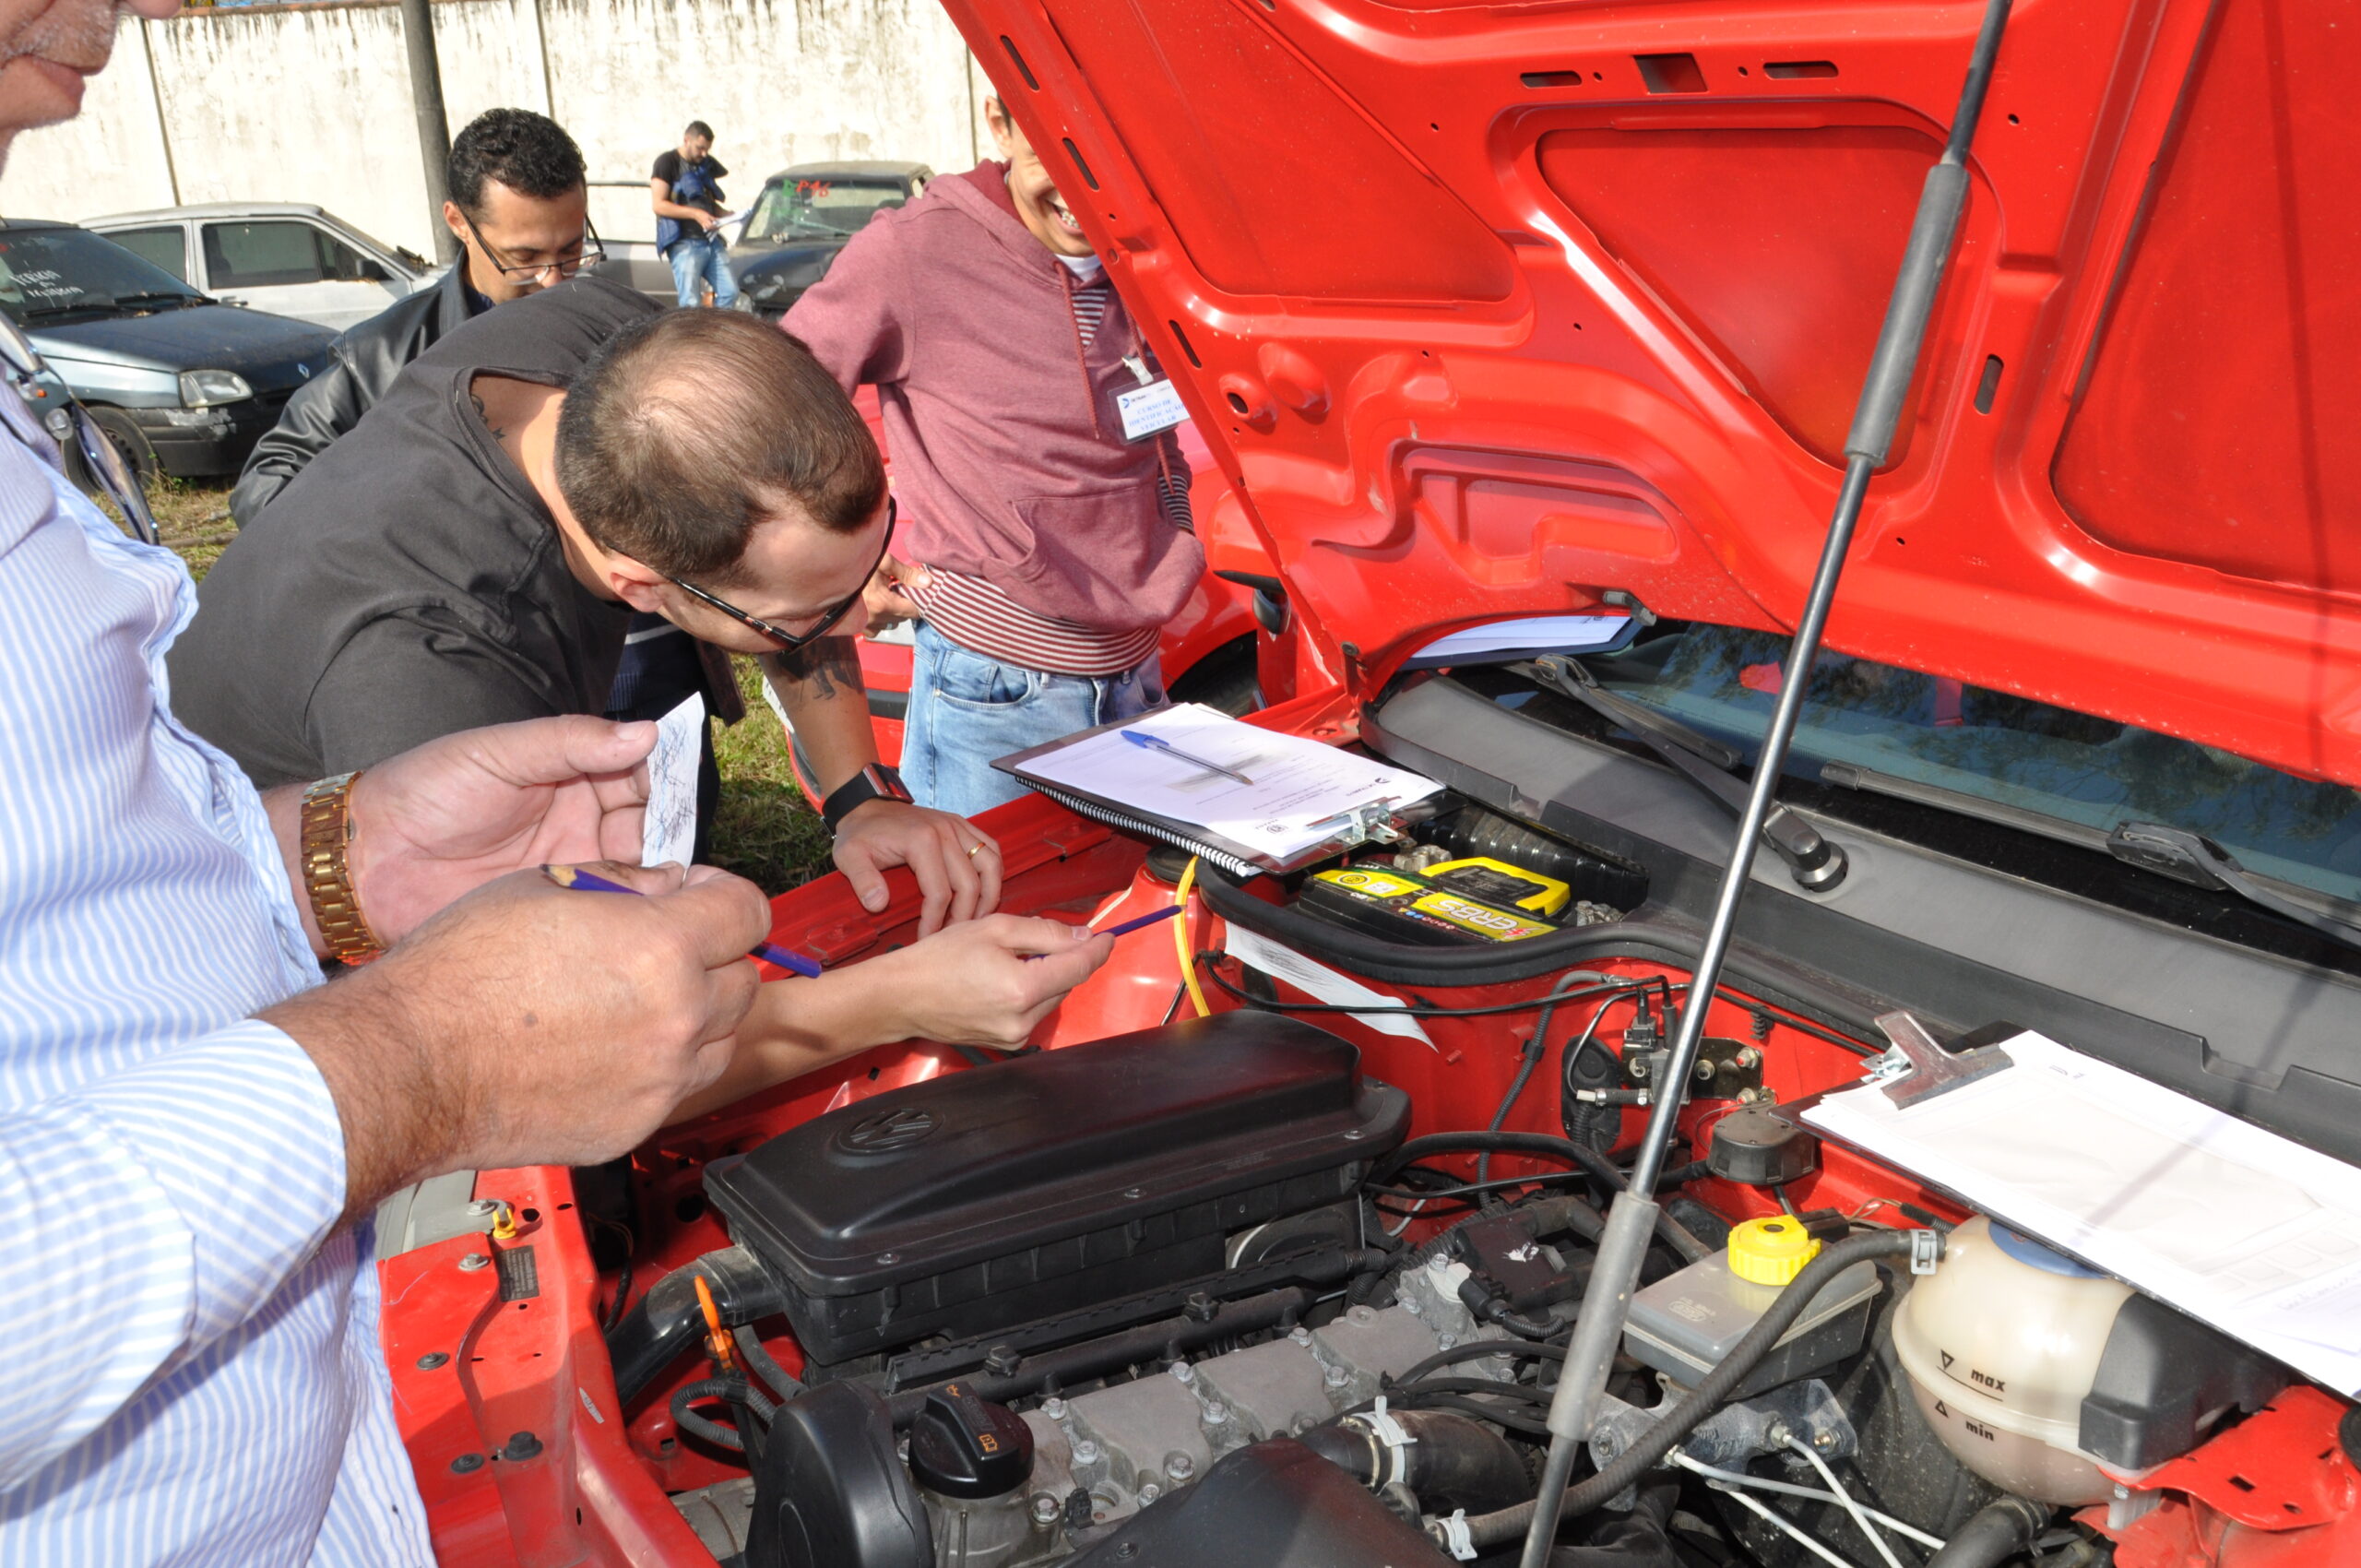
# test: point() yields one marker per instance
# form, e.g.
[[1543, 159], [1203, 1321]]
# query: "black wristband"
[[875, 782]]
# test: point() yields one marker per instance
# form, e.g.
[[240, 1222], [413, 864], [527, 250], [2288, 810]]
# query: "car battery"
[[1396, 906], [1502, 885]]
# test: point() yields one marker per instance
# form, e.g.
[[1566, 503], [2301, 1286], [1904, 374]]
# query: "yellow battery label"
[[1373, 884], [1497, 881], [1497, 924]]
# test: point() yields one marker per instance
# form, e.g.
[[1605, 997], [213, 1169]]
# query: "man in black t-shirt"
[[684, 189], [470, 554]]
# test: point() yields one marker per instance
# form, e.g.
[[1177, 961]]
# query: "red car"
[[2011, 1214]]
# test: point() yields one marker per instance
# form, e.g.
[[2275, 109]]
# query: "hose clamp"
[[1390, 1433], [1454, 1537], [1926, 1251]]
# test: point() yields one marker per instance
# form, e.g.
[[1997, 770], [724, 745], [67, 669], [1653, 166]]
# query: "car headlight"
[[203, 388]]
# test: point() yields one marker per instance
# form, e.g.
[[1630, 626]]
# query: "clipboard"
[[1385, 820]]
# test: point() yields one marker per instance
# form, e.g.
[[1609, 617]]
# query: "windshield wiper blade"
[[155, 296], [1816, 863], [2175, 852], [2198, 861]]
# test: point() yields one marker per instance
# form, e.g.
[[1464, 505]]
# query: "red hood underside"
[[1487, 310]]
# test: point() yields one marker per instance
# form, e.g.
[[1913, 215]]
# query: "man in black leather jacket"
[[520, 212]]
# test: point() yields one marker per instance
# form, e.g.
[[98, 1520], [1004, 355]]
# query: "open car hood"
[[1486, 311]]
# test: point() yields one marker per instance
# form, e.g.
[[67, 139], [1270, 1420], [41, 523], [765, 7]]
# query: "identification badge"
[[1150, 410]]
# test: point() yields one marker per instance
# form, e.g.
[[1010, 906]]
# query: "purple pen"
[[768, 952], [1165, 913]]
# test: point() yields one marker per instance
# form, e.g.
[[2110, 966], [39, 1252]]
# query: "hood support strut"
[[1631, 1219]]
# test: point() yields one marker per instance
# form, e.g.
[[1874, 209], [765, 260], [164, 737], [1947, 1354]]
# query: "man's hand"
[[887, 597], [957, 863], [529, 1023], [448, 817]]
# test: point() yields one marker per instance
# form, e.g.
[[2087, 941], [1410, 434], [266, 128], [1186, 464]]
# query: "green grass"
[[762, 829]]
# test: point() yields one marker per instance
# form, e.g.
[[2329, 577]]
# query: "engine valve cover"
[[1044, 1183]]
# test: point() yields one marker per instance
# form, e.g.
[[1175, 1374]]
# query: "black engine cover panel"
[[1038, 1185]]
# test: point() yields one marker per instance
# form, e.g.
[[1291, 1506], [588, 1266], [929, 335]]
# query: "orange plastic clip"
[[717, 1338]]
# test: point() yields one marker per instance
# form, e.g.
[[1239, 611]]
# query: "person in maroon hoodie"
[[1045, 503]]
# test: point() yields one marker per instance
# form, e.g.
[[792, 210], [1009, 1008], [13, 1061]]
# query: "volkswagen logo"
[[890, 1130]]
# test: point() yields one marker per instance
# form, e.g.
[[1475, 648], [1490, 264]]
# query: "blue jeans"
[[965, 709], [701, 262]]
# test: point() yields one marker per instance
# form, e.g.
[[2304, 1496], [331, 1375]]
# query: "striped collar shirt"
[[194, 1374]]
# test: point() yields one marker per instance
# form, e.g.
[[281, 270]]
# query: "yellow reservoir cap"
[[1771, 1251]]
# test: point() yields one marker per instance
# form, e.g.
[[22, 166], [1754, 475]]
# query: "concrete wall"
[[312, 102]]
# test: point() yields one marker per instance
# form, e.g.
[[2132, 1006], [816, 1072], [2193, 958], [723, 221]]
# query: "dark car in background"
[[786, 236], [803, 218], [183, 384]]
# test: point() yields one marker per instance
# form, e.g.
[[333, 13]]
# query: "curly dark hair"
[[530, 153]]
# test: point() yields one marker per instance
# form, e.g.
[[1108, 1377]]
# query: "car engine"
[[1195, 1295]]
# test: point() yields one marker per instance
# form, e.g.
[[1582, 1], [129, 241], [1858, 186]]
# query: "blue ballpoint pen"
[[768, 952], [1158, 743]]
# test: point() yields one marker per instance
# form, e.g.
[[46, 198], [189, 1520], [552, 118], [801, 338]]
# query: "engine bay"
[[1290, 1283]]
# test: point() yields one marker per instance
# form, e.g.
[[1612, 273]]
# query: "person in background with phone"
[[684, 189]]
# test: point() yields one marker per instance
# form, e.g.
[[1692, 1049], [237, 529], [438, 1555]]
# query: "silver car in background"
[[289, 259]]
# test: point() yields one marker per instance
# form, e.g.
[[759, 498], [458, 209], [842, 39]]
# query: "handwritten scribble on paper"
[[669, 833]]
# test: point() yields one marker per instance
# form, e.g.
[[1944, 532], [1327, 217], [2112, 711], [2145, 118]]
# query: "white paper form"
[[2239, 1228], [1569, 633], [1297, 783], [668, 833]]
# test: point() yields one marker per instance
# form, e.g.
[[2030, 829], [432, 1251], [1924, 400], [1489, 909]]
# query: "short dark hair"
[[530, 153], [690, 427], [699, 128]]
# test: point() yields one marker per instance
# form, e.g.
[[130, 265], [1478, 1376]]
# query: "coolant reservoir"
[[2002, 1344]]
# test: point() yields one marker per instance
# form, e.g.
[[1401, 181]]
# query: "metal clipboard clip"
[[1917, 1068], [1369, 823]]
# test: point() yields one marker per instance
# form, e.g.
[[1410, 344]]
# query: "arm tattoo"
[[818, 667]]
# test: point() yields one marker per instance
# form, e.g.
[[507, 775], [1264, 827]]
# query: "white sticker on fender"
[[1150, 410], [1321, 983]]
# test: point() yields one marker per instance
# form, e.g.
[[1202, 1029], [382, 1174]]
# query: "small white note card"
[[2239, 1228], [669, 832]]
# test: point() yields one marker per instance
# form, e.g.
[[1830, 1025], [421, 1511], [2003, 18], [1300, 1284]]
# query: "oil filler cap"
[[1771, 1251], [965, 1446]]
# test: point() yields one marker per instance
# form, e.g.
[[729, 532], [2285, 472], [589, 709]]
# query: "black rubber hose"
[[1711, 1390], [1595, 1164], [666, 1322], [1453, 1461], [1992, 1535], [726, 1389]]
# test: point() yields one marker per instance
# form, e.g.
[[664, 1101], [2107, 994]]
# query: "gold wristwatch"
[[327, 832]]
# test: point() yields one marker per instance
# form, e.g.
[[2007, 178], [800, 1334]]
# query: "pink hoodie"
[[1009, 457]]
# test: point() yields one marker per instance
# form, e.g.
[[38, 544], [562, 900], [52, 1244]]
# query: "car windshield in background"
[[48, 275], [2069, 767], [804, 210]]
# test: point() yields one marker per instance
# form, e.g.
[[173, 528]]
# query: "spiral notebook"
[[1247, 799]]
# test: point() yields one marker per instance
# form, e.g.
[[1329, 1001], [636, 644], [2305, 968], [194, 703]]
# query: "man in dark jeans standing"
[[685, 191], [521, 215]]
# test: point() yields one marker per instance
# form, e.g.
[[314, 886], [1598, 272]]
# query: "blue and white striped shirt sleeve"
[[148, 1216]]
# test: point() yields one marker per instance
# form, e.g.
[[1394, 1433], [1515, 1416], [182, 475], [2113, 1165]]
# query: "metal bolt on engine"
[[1183, 1373], [1085, 1452], [1410, 1305], [1180, 1466], [1150, 1492], [1335, 1377], [1749, 1057], [1216, 1413], [1824, 1439], [1045, 1508], [1054, 1407], [1446, 1341], [1301, 1334], [473, 1262]]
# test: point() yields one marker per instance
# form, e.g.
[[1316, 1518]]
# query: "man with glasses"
[[472, 553], [520, 211]]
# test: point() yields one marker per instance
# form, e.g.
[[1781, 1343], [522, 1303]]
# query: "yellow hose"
[[1180, 940]]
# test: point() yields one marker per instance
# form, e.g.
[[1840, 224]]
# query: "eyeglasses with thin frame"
[[101, 455], [567, 266], [791, 641]]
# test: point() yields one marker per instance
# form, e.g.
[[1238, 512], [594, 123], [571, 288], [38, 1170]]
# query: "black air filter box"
[[1053, 1182]]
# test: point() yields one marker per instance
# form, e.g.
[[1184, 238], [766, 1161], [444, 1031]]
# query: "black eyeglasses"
[[789, 641], [592, 252], [70, 421]]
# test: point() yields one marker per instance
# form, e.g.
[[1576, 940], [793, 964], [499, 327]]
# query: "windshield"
[[804, 210], [2000, 748], [46, 274]]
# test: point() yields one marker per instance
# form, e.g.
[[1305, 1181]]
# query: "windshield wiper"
[[2175, 852], [156, 296], [1815, 862], [45, 313]]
